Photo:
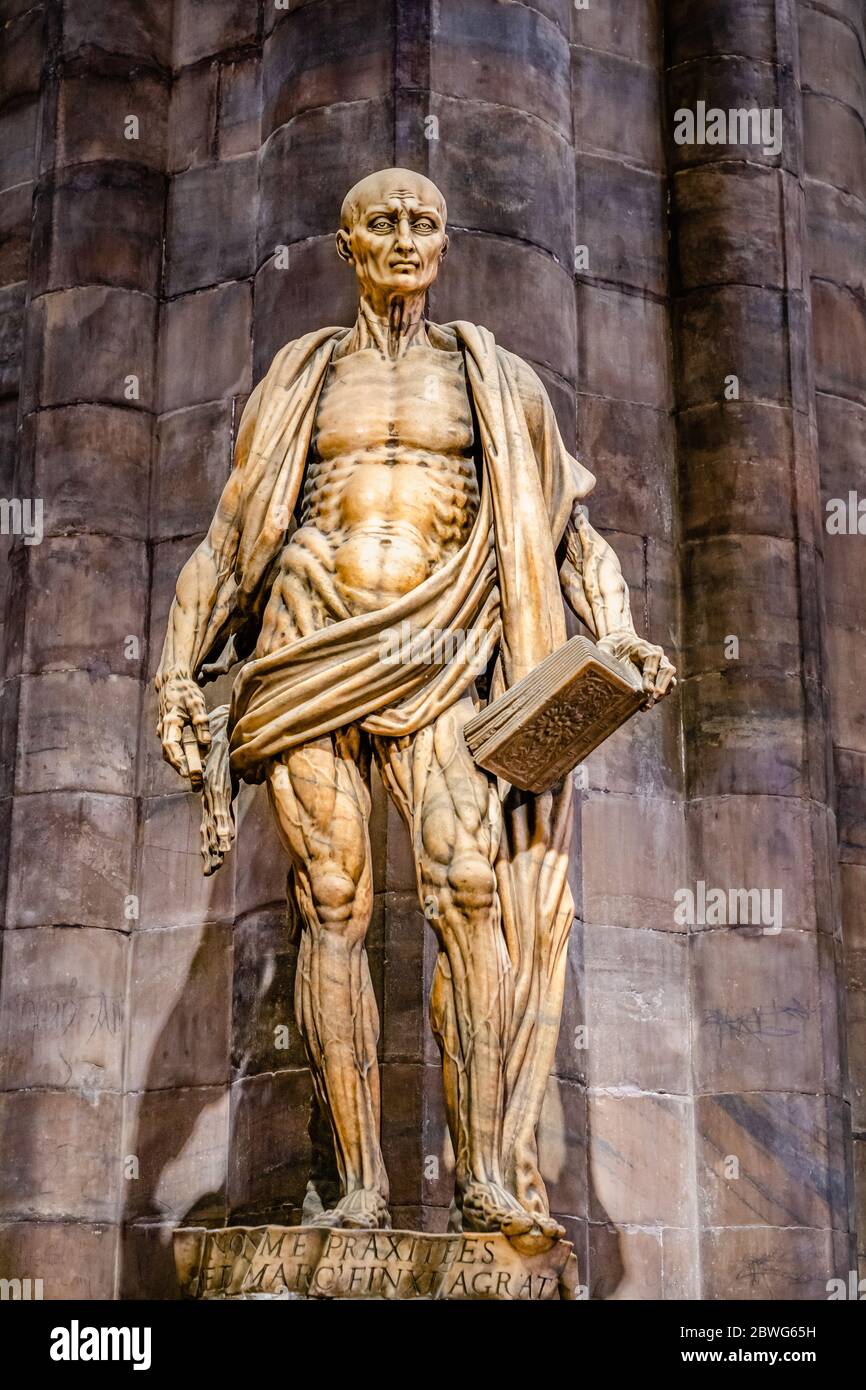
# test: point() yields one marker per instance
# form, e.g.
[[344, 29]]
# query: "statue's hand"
[[181, 703], [659, 674]]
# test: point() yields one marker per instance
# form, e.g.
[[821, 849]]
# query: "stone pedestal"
[[319, 1262]]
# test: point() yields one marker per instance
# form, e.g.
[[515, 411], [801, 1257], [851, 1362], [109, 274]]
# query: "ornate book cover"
[[553, 718]]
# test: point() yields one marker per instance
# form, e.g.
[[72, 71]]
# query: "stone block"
[[738, 471], [839, 337], [404, 1018], [98, 224], [770, 1159], [147, 1262], [349, 52], [850, 776], [616, 108], [735, 330], [70, 860], [239, 129], [193, 464], [729, 227], [203, 27], [757, 1008], [631, 250], [62, 1009], [624, 1265], [836, 230], [193, 113], [174, 891], [62, 747], [180, 998], [60, 1157], [750, 591], [314, 289], [91, 465], [624, 1187], [831, 58], [136, 29], [562, 1146], [180, 1141], [406, 1141], [220, 317], [637, 1009], [633, 33], [74, 1259], [262, 863], [269, 1156], [15, 205], [502, 57], [735, 83], [750, 728], [634, 887], [622, 347], [211, 225], [95, 339], [847, 657], [263, 996], [766, 842], [18, 127], [21, 56], [715, 26], [68, 623], [766, 1263], [92, 121]]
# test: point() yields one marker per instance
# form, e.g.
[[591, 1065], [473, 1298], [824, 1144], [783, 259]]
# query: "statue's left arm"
[[594, 587], [590, 574]]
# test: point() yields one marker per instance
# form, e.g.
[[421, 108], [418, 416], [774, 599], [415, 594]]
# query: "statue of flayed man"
[[398, 473]]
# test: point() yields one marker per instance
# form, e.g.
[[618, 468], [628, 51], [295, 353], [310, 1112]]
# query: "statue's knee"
[[333, 892], [472, 883]]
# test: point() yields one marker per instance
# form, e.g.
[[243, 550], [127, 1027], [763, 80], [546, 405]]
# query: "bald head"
[[392, 233], [388, 184]]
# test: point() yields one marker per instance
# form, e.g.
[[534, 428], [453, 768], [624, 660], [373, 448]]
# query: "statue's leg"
[[322, 805], [454, 818]]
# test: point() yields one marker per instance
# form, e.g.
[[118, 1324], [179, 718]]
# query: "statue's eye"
[[424, 224], [380, 224]]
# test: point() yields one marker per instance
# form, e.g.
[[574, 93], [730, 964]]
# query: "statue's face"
[[394, 233]]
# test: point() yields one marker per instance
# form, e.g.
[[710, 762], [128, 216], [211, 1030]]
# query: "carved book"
[[553, 718]]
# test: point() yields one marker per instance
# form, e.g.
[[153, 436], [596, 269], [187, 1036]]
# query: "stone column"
[[76, 656], [641, 1213], [771, 1169], [200, 966], [832, 47]]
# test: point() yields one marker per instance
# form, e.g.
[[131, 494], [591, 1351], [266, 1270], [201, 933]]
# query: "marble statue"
[[401, 477]]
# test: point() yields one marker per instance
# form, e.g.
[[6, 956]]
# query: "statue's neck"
[[392, 326]]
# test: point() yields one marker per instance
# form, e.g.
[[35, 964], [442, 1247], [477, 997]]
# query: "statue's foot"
[[488, 1207], [549, 1227], [365, 1209]]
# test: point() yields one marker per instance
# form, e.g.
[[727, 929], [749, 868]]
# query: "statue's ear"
[[343, 249], [444, 252]]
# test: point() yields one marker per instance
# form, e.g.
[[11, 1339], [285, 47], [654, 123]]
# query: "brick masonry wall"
[[141, 1083]]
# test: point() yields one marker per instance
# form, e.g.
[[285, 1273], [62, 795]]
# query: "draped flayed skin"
[[502, 587]]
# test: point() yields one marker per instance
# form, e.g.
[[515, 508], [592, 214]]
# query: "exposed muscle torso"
[[390, 490]]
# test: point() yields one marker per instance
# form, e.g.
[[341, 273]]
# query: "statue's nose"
[[404, 235]]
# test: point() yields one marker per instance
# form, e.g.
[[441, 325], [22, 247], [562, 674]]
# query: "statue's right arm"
[[194, 608]]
